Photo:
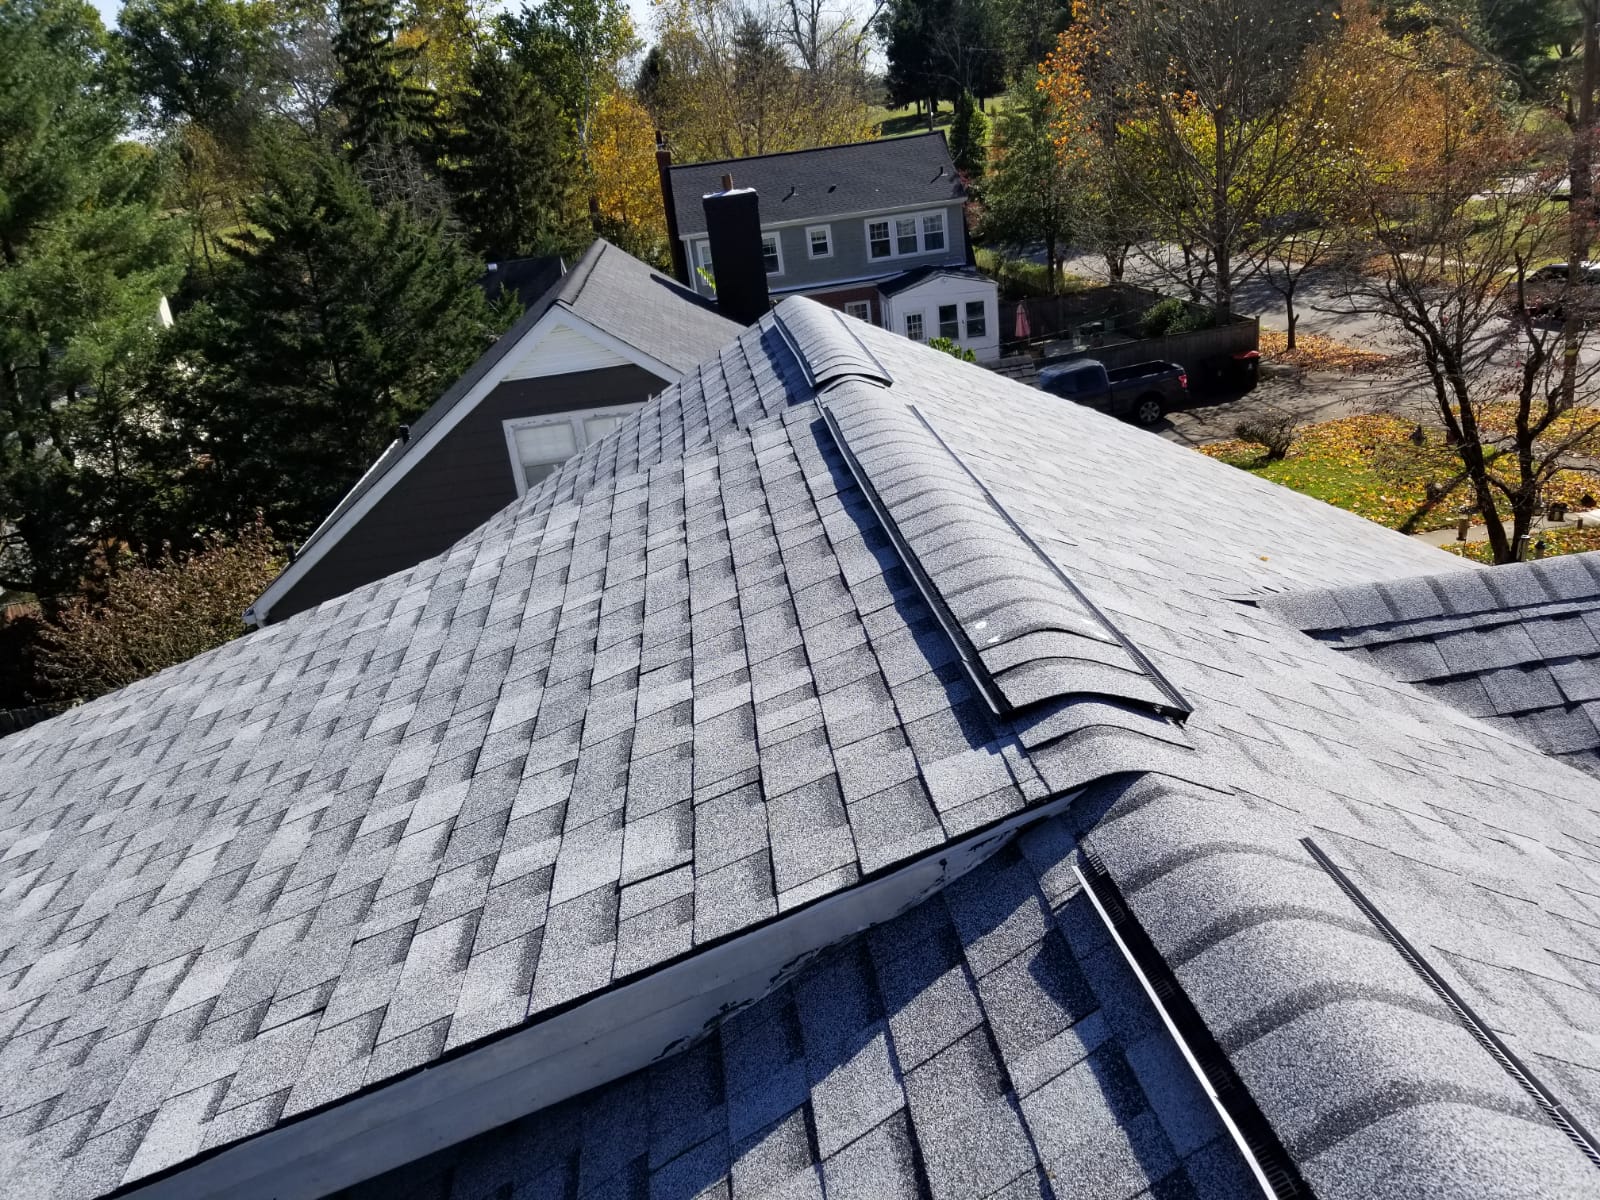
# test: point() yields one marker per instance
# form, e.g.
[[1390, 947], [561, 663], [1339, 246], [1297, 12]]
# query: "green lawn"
[[1365, 465], [1369, 465], [900, 122]]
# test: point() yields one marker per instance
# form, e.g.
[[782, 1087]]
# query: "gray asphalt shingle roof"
[[1516, 647], [689, 685], [828, 181], [990, 1041]]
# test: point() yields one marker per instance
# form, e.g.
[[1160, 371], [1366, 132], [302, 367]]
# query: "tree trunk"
[[1050, 258], [1220, 248], [1291, 317], [1580, 207], [933, 108]]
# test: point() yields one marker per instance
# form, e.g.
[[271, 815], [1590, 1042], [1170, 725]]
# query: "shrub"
[[1273, 431], [153, 615], [1158, 318], [1173, 315], [949, 347]]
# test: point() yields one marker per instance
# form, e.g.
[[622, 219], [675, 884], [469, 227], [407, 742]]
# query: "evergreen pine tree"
[[85, 258], [337, 322], [969, 137], [512, 168], [379, 91]]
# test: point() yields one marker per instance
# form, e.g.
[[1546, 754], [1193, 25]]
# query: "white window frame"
[[577, 418], [966, 318], [922, 324], [893, 221], [861, 310], [827, 233], [702, 257], [777, 245]]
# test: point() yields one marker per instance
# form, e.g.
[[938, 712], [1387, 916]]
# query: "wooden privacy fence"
[[1103, 323]]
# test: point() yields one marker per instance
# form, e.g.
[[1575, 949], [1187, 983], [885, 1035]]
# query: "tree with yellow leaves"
[[625, 185], [1189, 106]]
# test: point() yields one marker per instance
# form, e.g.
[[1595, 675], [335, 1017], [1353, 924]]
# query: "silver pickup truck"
[[1140, 393]]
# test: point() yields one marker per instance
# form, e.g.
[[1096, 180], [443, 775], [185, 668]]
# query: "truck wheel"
[[1147, 411]]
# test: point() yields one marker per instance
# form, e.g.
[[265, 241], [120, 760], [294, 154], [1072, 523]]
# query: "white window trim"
[[905, 326], [576, 417], [965, 317], [826, 231], [865, 305], [894, 235], [777, 242]]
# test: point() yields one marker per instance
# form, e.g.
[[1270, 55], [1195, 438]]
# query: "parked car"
[[1140, 392], [1546, 291]]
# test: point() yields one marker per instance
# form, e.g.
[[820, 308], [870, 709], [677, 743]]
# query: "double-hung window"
[[904, 236], [702, 255], [861, 310], [949, 322], [914, 326], [878, 244], [819, 241], [771, 254], [977, 321]]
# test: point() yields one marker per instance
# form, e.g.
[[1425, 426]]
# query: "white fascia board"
[[317, 548], [598, 1041]]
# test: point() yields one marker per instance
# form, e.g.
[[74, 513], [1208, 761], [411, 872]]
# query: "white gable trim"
[[558, 318]]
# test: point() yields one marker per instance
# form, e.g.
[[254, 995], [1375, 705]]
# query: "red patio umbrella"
[[1024, 327]]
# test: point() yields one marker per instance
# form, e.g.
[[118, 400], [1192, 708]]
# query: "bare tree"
[[1205, 92], [1458, 283]]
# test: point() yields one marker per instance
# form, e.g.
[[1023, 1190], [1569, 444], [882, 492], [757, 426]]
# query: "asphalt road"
[[1322, 303]]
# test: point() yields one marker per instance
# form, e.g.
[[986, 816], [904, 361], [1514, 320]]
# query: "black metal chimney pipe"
[[680, 258], [733, 224]]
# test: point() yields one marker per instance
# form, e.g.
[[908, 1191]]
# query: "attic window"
[[539, 445]]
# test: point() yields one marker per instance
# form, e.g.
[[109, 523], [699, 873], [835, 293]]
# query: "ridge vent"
[[827, 349], [1025, 633]]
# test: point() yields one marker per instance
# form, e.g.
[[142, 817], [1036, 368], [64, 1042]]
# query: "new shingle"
[[239, 801]]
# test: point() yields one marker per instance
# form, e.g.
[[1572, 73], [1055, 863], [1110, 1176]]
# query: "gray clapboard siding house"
[[846, 225], [602, 339], [830, 783]]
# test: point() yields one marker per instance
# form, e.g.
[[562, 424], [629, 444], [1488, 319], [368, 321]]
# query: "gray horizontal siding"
[[850, 259]]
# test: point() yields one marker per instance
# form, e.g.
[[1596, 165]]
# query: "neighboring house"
[[601, 340], [831, 782], [525, 279], [849, 226]]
